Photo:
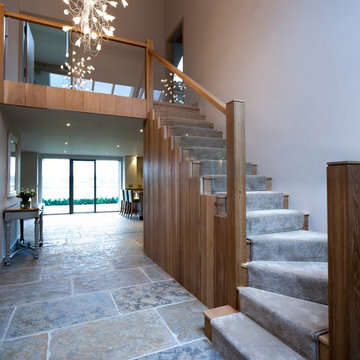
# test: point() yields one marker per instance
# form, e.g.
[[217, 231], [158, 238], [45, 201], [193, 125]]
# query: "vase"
[[25, 204]]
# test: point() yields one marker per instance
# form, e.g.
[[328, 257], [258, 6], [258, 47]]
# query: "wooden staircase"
[[187, 185]]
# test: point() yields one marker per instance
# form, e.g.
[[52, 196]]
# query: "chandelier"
[[94, 21], [78, 72]]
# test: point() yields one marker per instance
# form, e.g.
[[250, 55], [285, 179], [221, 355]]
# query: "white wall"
[[297, 66], [133, 171], [5, 202], [29, 171]]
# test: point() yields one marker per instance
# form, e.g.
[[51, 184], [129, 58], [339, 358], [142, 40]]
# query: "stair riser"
[[181, 115], [185, 122], [272, 224], [222, 208], [307, 288], [193, 131], [282, 250], [215, 185], [204, 154], [188, 141], [213, 167], [264, 201]]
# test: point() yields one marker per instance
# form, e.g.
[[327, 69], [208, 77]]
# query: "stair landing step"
[[296, 322], [238, 337]]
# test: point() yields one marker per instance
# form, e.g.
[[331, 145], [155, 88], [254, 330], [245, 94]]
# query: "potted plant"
[[25, 195]]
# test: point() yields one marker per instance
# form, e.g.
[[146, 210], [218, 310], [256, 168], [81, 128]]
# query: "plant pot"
[[25, 204]]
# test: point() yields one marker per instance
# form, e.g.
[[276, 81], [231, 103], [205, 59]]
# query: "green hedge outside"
[[99, 201]]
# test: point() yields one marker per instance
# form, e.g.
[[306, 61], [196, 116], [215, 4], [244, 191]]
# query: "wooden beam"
[[192, 83], [47, 97], [343, 190], [2, 52], [236, 198], [57, 25]]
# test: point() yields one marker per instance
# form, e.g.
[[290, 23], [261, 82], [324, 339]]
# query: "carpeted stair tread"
[[270, 221], [264, 200], [175, 121], [194, 131], [253, 183], [237, 337], [299, 245], [303, 280], [217, 167], [205, 153], [298, 323], [186, 141]]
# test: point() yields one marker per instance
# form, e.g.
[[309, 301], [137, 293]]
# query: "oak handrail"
[[220, 105], [58, 25]]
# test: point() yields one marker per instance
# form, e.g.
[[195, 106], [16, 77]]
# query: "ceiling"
[[46, 132]]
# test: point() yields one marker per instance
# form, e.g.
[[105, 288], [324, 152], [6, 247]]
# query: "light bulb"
[[113, 3], [124, 3], [67, 28], [66, 2], [66, 12], [78, 43], [76, 20], [93, 35]]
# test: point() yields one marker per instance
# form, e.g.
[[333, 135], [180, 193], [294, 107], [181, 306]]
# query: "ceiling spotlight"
[[141, 130], [65, 151], [66, 143], [117, 146], [68, 124]]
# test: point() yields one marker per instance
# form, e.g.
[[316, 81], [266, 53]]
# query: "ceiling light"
[[117, 146], [68, 124], [65, 151], [141, 130], [66, 143], [94, 21]]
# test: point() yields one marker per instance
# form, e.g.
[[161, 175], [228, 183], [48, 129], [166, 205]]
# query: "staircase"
[[284, 307]]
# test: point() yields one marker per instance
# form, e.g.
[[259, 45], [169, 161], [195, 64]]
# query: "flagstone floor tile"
[[197, 350], [110, 279], [150, 296], [185, 320], [5, 314], [48, 315], [29, 348], [123, 337], [10, 277], [34, 292], [155, 273]]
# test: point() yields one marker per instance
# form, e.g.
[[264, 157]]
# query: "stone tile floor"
[[94, 295]]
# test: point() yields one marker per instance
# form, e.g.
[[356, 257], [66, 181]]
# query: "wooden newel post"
[[343, 187], [2, 52], [149, 75], [236, 198]]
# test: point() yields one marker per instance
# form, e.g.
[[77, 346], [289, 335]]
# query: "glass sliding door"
[[55, 185], [83, 189], [107, 185]]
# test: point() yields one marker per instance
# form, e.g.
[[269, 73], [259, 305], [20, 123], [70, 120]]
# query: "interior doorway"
[[70, 186], [176, 50]]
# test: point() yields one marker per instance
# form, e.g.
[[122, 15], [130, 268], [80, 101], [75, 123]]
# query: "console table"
[[16, 213]]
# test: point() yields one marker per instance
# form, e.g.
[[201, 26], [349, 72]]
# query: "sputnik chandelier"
[[77, 72], [174, 90], [92, 18]]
